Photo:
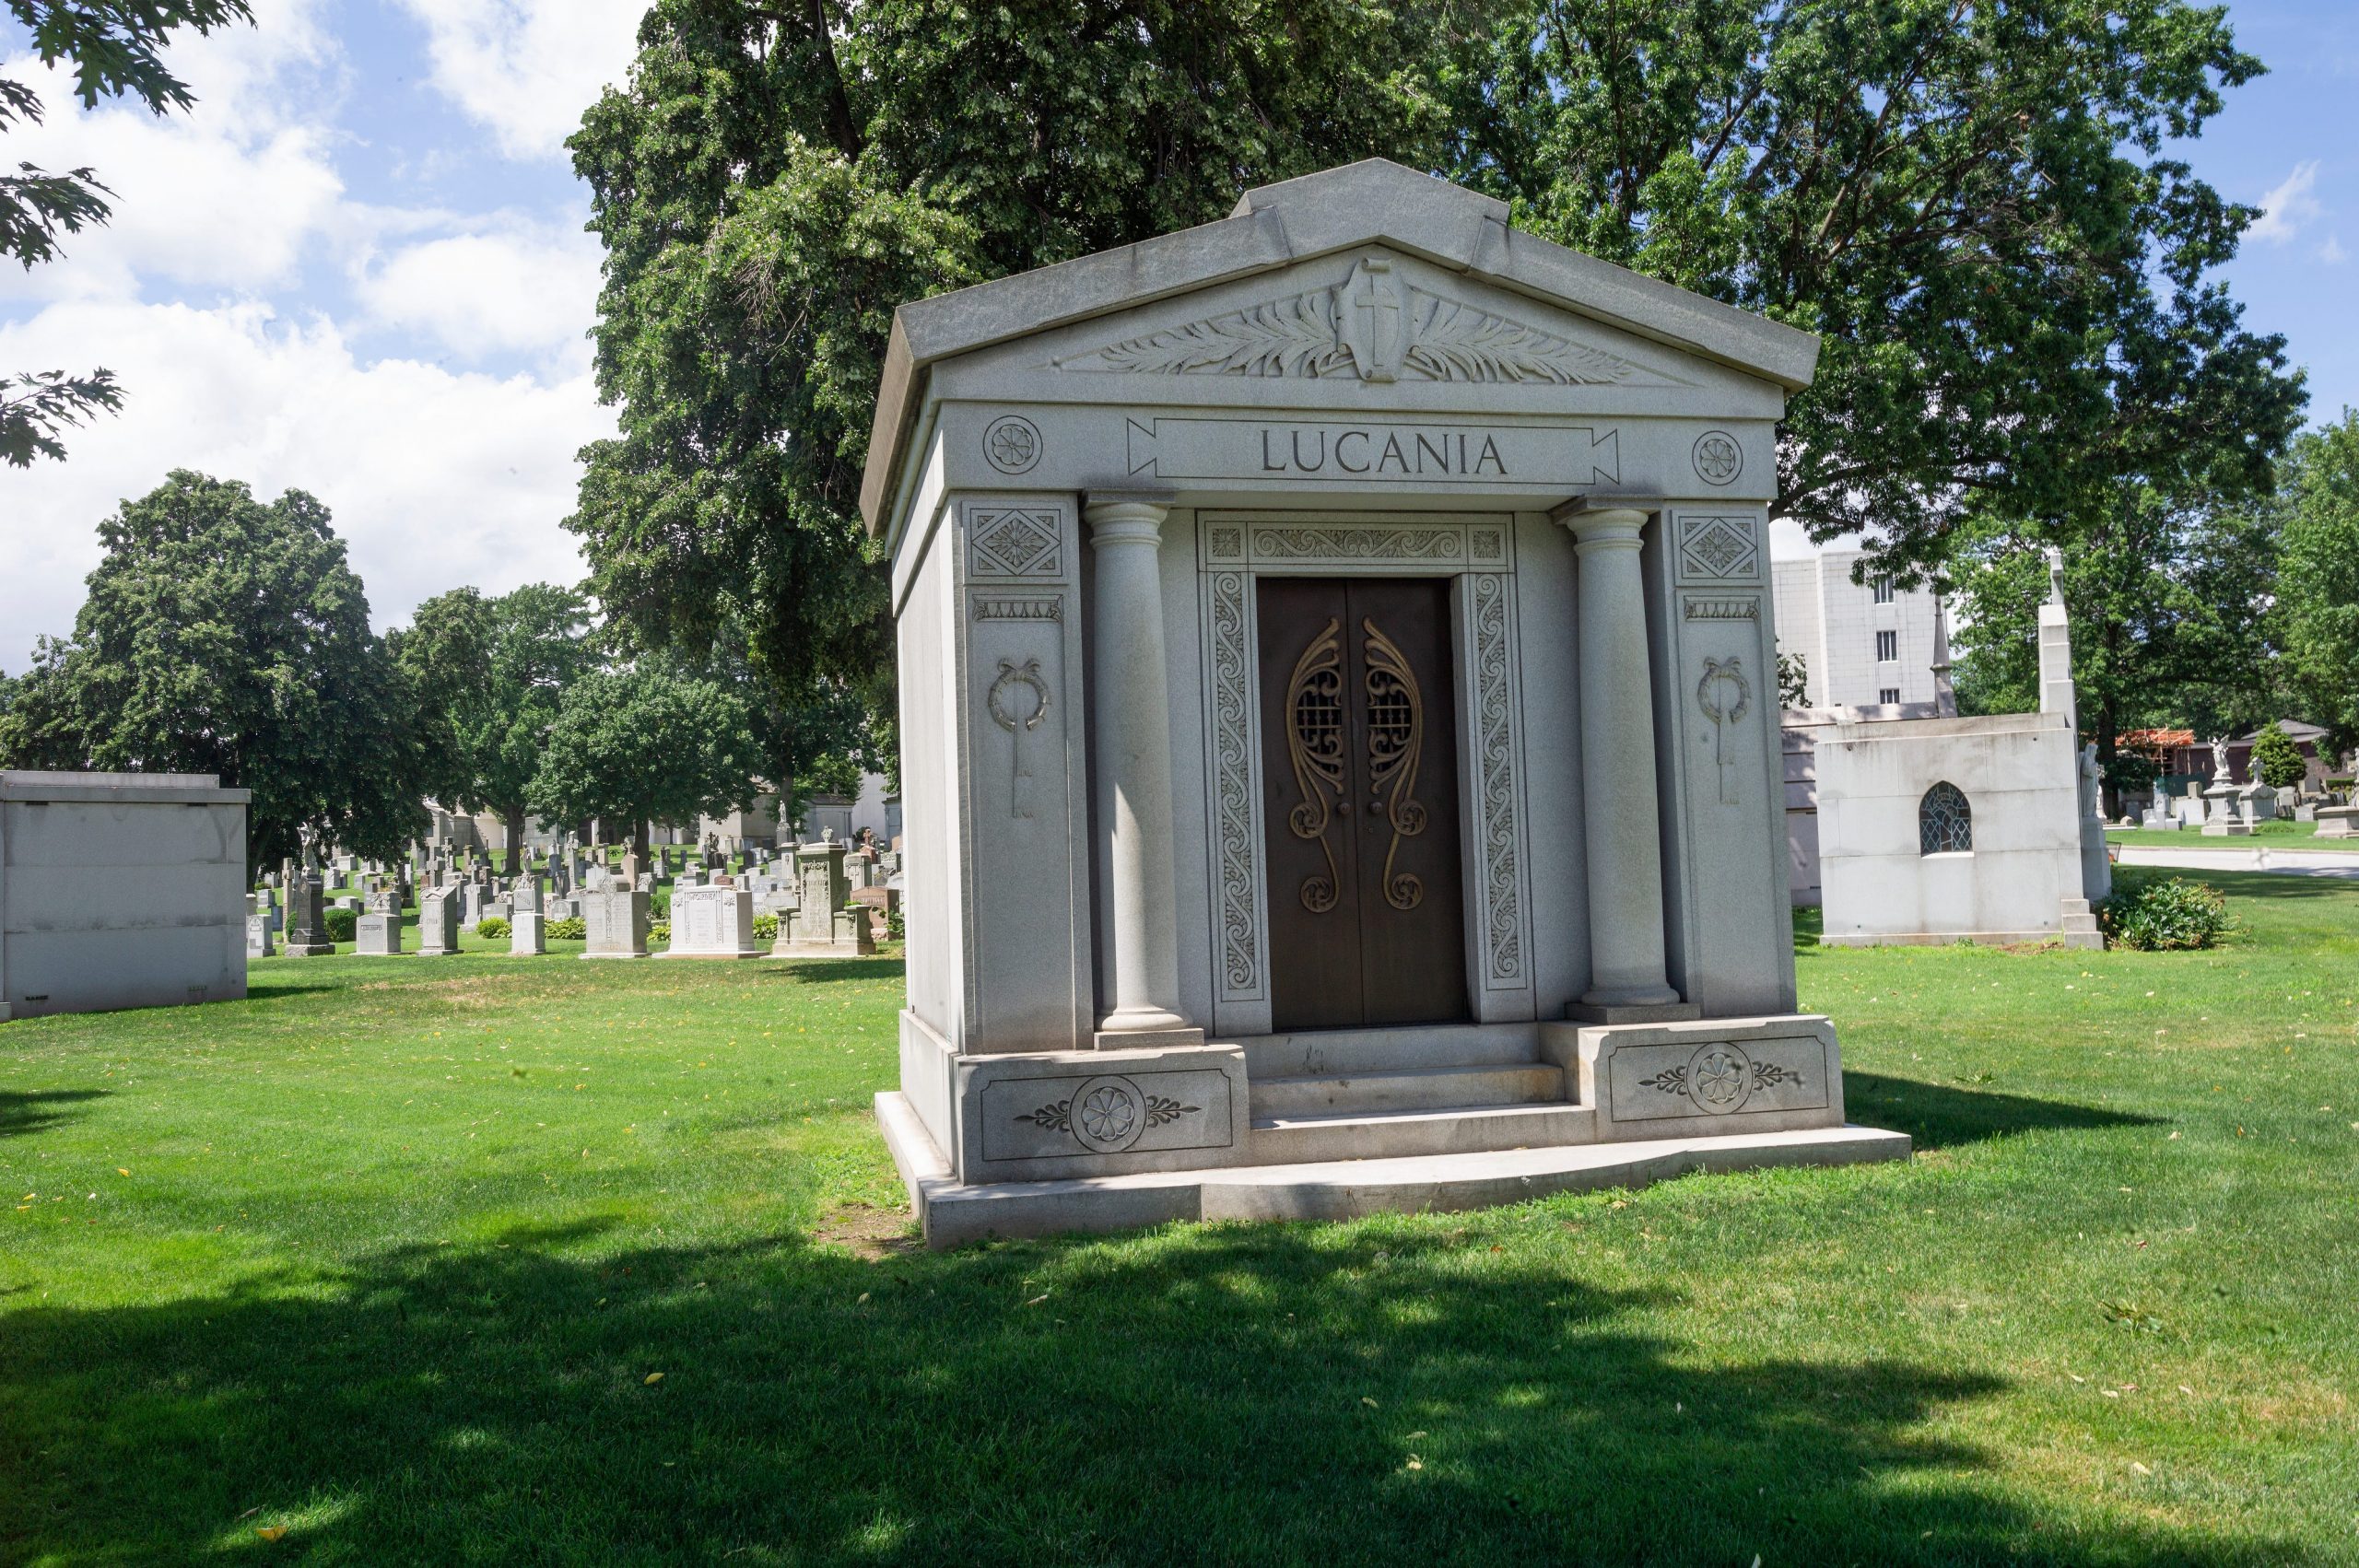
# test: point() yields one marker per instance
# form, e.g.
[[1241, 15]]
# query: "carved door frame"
[[1476, 552]]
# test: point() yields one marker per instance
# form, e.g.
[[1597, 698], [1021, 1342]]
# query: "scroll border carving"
[[1236, 852], [1491, 618]]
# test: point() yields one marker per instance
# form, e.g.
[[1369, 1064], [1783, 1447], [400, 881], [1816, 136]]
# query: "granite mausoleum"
[[1339, 711]]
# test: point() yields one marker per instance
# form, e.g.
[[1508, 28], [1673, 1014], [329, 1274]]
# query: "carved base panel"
[[1062, 1114], [1720, 1075]]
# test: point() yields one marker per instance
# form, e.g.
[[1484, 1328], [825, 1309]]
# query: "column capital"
[[1125, 517], [1602, 522]]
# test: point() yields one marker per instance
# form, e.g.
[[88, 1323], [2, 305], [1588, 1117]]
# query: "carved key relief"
[[1375, 325]]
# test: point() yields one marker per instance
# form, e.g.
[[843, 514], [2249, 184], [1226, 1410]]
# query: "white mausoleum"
[[1340, 725]]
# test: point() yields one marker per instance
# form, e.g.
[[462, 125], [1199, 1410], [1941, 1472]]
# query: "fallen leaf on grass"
[[2139, 1468], [1036, 1301], [1371, 1404], [121, 1172], [270, 1532], [1415, 1463], [653, 1379]]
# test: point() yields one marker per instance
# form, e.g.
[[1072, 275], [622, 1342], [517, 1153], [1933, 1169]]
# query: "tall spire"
[[1944, 693]]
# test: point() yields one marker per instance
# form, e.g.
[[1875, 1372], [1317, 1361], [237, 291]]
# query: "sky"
[[357, 268]]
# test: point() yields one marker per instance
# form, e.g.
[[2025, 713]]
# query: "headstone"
[[712, 922], [307, 932], [822, 926], [615, 918], [377, 934], [258, 936], [2338, 822], [527, 933], [437, 922]]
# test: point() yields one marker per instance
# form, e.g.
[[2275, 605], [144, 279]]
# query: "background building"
[[1865, 645]]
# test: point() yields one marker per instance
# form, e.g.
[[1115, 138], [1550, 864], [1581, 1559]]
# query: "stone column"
[[1131, 709], [1620, 802]]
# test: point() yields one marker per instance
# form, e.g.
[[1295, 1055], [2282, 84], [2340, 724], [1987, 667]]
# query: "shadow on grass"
[[40, 1110], [1238, 1395], [820, 971], [1939, 1117]]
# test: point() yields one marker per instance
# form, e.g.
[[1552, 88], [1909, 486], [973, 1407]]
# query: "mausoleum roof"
[[1375, 202]]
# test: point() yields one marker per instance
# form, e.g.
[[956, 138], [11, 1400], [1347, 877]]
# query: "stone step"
[[1322, 1052], [1456, 1129], [1429, 1088]]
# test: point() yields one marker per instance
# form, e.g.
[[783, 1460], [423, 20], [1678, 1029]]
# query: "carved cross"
[[1373, 322]]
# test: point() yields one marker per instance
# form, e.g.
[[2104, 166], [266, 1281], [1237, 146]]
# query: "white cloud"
[[513, 286], [2286, 208], [436, 479], [226, 196], [527, 69], [2333, 252]]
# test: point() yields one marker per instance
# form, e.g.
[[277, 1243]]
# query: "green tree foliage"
[[2169, 607], [2319, 583], [115, 50], [1794, 680], [648, 742], [1969, 203], [774, 180], [488, 675], [2276, 760], [223, 636]]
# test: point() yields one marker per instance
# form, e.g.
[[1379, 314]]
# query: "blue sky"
[[358, 267]]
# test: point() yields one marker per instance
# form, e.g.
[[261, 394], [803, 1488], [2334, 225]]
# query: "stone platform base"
[[1946, 939], [1338, 1189], [309, 950]]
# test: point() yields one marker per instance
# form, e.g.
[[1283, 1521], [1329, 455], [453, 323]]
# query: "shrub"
[[2150, 914], [660, 930], [2276, 760], [572, 928], [341, 923], [896, 928], [491, 926], [766, 928], [659, 904]]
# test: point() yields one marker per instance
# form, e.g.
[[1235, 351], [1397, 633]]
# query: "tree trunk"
[[514, 818], [638, 839]]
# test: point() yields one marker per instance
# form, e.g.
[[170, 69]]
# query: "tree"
[[649, 742], [2013, 288], [223, 636], [488, 675], [2276, 760], [2318, 586], [1794, 680], [115, 48], [2170, 606], [774, 180]]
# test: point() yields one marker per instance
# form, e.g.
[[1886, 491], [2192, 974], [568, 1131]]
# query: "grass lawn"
[[2274, 834], [390, 1256]]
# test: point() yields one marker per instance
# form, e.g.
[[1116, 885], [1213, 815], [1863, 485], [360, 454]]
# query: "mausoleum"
[[1339, 725]]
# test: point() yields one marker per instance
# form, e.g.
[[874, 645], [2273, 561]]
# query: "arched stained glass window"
[[1944, 822]]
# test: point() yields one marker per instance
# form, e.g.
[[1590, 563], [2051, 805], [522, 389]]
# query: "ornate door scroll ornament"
[[1396, 742], [1018, 724], [1726, 696], [1315, 746]]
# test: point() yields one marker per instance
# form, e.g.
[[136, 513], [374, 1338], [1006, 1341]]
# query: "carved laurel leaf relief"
[[1312, 335]]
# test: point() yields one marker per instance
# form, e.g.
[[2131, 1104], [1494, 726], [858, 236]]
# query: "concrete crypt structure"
[[1339, 713]]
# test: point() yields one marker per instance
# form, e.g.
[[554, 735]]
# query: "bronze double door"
[[1359, 745]]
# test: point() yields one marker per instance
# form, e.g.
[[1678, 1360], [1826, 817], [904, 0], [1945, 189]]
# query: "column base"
[[1633, 1012], [1120, 1039]]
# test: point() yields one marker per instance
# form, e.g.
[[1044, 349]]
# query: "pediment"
[[1378, 320]]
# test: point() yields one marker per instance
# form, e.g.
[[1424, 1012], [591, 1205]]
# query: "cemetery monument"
[[122, 890], [1340, 753]]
